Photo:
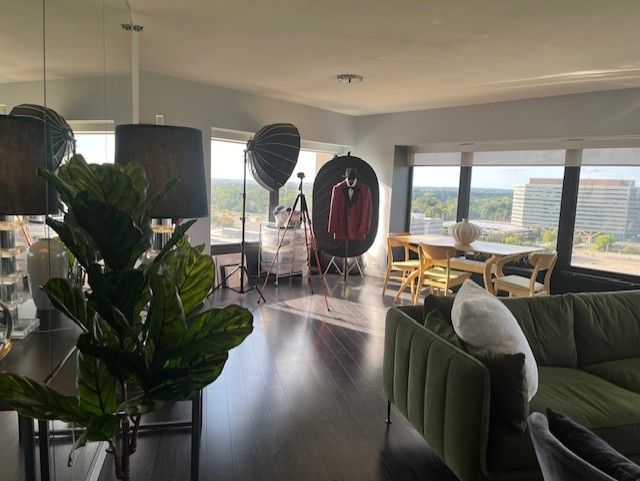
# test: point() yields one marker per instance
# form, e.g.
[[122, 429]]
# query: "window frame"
[[568, 210]]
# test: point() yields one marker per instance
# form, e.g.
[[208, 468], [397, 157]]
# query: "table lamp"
[[167, 152], [24, 147]]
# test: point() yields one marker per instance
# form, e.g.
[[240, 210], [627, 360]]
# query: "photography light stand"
[[309, 241], [242, 267]]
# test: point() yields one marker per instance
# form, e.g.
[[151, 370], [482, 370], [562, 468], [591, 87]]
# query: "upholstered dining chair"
[[527, 287], [435, 272], [403, 266]]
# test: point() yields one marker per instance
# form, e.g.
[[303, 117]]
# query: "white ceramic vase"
[[464, 232], [46, 259]]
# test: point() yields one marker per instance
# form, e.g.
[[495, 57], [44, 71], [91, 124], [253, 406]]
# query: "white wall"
[[201, 106], [97, 98], [609, 113]]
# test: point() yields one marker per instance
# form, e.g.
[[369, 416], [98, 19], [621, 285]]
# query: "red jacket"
[[350, 218]]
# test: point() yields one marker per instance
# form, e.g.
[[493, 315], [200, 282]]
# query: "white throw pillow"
[[483, 321]]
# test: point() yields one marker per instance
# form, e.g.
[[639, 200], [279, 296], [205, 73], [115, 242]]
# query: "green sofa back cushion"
[[547, 323], [607, 326], [436, 323]]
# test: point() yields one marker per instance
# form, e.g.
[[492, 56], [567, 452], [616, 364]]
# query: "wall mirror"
[[74, 58]]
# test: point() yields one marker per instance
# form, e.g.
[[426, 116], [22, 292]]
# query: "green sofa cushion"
[[547, 323], [436, 323], [611, 412], [607, 326], [624, 373]]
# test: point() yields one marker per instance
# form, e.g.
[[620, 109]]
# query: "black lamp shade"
[[23, 150], [167, 152]]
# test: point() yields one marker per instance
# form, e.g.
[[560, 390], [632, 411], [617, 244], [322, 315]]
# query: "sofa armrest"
[[441, 390]]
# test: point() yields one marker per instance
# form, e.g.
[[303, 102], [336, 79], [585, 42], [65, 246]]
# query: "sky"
[[507, 177], [227, 162]]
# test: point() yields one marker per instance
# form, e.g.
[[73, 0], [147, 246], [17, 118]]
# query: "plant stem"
[[133, 444]]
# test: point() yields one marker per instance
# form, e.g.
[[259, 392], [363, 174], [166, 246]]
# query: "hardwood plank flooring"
[[300, 399]]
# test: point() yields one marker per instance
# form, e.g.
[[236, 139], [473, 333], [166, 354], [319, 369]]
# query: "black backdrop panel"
[[329, 175]]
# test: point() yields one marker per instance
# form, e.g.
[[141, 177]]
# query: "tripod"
[[309, 241], [243, 248]]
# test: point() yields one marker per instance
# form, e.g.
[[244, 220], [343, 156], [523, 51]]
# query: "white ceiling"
[[414, 54]]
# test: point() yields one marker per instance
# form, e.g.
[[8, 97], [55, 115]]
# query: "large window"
[[607, 227], [309, 162], [518, 203], [227, 164], [226, 191], [434, 199]]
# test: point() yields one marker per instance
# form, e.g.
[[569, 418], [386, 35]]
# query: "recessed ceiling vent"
[[349, 78]]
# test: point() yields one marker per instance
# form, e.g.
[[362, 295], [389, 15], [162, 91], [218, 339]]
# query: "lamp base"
[[46, 259]]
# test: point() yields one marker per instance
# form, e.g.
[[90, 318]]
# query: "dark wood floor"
[[300, 399]]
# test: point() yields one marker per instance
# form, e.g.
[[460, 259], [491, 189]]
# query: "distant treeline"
[[442, 203]]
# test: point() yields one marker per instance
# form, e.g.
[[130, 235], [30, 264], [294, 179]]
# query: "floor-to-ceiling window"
[[227, 168], [607, 221], [515, 196], [434, 193]]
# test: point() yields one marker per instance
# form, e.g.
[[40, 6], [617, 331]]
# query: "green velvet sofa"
[[587, 347]]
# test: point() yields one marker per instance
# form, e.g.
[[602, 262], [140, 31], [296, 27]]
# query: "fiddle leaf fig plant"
[[146, 336]]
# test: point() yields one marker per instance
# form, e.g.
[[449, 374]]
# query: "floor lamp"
[[167, 152]]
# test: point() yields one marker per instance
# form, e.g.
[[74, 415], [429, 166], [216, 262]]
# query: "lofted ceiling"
[[413, 54]]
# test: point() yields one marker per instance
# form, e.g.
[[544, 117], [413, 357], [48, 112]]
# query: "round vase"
[[46, 259], [464, 232]]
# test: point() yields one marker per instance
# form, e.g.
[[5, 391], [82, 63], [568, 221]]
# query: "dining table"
[[499, 254]]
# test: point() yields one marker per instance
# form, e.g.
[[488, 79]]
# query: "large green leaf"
[[166, 317], [193, 274], [71, 302], [215, 331], [95, 386], [100, 428], [123, 289], [66, 192], [35, 400], [207, 369], [123, 365], [107, 183], [75, 239], [140, 405], [112, 230]]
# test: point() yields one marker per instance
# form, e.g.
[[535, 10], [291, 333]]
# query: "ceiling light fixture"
[[349, 78]]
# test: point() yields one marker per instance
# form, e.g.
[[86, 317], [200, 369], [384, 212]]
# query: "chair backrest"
[[395, 240], [542, 261], [436, 255], [557, 462]]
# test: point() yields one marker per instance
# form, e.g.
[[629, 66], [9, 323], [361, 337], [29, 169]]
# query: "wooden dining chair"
[[527, 287], [435, 272], [405, 266]]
